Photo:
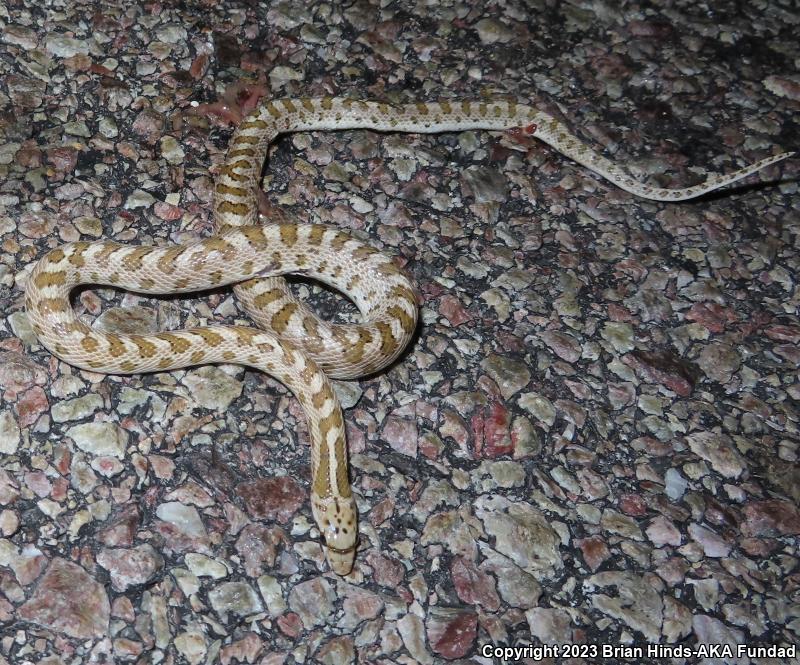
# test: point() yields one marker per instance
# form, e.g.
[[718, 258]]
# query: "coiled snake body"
[[292, 344]]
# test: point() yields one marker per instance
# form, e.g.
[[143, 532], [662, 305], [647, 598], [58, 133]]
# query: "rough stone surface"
[[68, 600], [593, 437]]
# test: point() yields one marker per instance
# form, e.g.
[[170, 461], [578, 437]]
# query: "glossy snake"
[[293, 344]]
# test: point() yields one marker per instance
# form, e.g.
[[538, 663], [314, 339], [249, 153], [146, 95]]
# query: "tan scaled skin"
[[383, 294]]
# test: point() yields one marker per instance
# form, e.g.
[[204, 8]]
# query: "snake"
[[289, 341]]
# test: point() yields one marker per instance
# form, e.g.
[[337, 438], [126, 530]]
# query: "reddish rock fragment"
[[451, 308], [451, 632], [714, 545], [245, 650], [474, 586], [401, 434], [657, 30], [711, 316], [127, 649], [68, 600], [167, 212], [783, 87], [595, 551], [336, 650], [381, 511], [664, 368], [121, 528], [130, 567], [290, 624], [18, 373], [8, 488], [360, 605], [38, 483], [258, 545], [63, 159], [759, 547], [663, 532], [272, 498], [633, 504], [387, 572], [122, 608], [31, 405], [563, 345], [771, 518], [149, 125], [453, 426], [490, 427], [29, 564], [781, 333]]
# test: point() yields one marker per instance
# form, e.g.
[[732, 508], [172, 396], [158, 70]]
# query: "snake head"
[[337, 519]]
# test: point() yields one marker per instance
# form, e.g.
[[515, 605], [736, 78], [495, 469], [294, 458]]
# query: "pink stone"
[[122, 607], [163, 467], [272, 498], [336, 650], [38, 483], [654, 30], [451, 632], [595, 551], [191, 492], [663, 532], [712, 543], [361, 605], [290, 624], [381, 512], [782, 333], [387, 572], [130, 567], [453, 426], [451, 309], [356, 441], [62, 158], [258, 544], [633, 504], [8, 488], [121, 527], [68, 600], [167, 212], [783, 87], [127, 649], [619, 313], [245, 650], [662, 368], [59, 491], [563, 345], [29, 564], [759, 547], [771, 518], [711, 316], [490, 428], [31, 405], [474, 586], [6, 613], [401, 435]]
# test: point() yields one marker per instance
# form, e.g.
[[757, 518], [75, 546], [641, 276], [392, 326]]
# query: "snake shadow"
[[740, 189]]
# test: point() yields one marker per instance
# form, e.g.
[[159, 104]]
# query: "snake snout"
[[340, 561]]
